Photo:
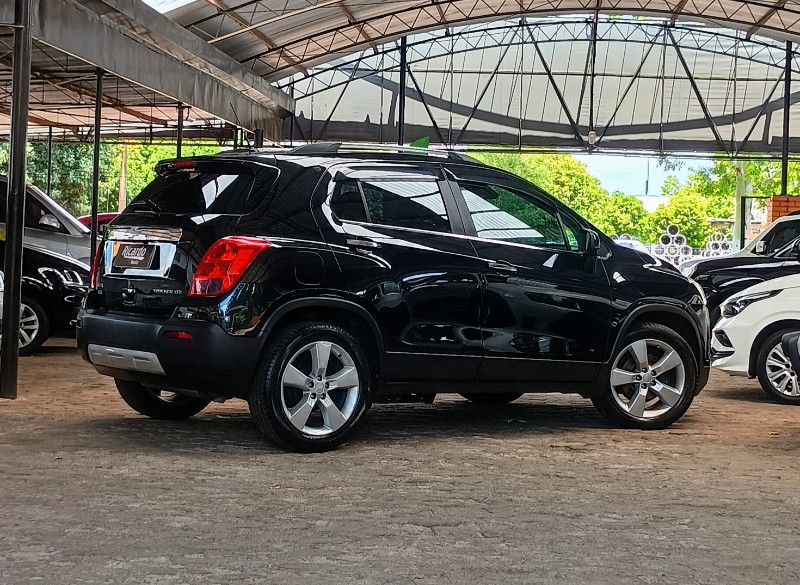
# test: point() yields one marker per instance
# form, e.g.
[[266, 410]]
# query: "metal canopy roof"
[[613, 84], [275, 39], [152, 65]]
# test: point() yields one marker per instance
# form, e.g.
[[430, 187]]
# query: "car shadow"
[[54, 350], [235, 431], [744, 394]]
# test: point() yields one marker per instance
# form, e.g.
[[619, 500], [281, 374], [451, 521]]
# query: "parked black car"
[[316, 281], [723, 277], [53, 287]]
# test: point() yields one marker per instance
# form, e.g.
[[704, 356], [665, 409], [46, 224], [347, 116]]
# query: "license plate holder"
[[133, 255]]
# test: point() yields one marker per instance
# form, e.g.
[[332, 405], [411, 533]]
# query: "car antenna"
[[238, 123]]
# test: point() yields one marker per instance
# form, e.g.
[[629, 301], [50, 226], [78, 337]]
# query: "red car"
[[103, 219]]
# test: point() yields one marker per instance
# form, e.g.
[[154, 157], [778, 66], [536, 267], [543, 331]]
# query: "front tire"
[[490, 399], [652, 380], [312, 389], [157, 404], [775, 372], [34, 326]]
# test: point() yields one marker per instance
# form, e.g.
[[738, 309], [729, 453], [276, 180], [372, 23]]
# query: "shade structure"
[[569, 83], [276, 39]]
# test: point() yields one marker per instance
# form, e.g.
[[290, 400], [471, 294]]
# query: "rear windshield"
[[207, 187]]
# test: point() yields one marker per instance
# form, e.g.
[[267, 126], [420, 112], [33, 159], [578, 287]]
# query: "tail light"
[[95, 267], [223, 265]]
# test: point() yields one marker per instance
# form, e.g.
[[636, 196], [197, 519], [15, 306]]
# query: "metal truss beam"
[[559, 95], [711, 124], [763, 20], [314, 45], [715, 42]]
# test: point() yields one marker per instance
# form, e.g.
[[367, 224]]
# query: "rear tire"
[[488, 399], [774, 370], [158, 405], [312, 388], [635, 397]]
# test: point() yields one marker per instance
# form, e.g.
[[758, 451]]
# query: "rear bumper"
[[212, 363]]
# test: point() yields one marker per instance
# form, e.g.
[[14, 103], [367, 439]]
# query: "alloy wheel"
[[648, 378], [780, 373], [320, 387], [28, 325]]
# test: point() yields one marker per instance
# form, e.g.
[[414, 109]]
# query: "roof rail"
[[321, 148]]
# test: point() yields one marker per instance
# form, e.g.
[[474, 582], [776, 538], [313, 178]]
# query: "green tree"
[[686, 210], [143, 158], [561, 175], [624, 214], [72, 173]]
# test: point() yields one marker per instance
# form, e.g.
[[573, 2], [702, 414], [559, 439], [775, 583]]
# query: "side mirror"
[[592, 248], [761, 247], [49, 222]]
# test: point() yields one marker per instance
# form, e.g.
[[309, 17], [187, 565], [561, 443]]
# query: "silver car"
[[48, 225]]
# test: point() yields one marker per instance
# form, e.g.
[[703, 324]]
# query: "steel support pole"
[[179, 144], [98, 111], [49, 160], [401, 96], [15, 211], [592, 79], [787, 102]]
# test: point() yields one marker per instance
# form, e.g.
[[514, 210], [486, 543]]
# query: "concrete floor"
[[540, 491]]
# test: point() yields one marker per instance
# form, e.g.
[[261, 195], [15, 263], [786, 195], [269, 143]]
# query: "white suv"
[[747, 339], [776, 235]]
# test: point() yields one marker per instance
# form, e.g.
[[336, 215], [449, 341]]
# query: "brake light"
[[185, 335], [95, 266], [223, 265]]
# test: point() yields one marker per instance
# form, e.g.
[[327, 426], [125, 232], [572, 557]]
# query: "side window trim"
[[445, 187], [469, 224]]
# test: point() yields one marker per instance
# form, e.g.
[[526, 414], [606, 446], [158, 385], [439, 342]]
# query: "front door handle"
[[501, 265], [362, 243]]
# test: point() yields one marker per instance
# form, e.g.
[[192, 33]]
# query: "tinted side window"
[[34, 212], [414, 204], [347, 202], [784, 235], [502, 214], [33, 209]]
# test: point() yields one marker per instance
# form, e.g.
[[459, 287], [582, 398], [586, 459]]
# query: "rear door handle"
[[362, 243], [501, 265]]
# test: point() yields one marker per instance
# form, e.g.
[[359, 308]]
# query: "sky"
[[167, 5], [628, 174]]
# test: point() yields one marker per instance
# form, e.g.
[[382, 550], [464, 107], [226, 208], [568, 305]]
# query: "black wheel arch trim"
[[658, 306], [330, 302]]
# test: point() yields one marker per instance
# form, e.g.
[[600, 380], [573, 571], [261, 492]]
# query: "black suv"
[[316, 281]]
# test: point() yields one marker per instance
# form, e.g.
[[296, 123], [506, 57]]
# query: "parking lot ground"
[[540, 491]]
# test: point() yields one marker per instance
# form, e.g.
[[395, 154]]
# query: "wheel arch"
[[755, 347], [40, 295], [346, 314], [674, 317]]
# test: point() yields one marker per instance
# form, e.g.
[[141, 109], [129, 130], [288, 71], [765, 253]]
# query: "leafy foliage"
[[685, 210], [142, 160], [564, 177], [71, 173]]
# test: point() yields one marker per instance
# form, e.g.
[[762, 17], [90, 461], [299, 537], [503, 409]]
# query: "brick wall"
[[780, 206]]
